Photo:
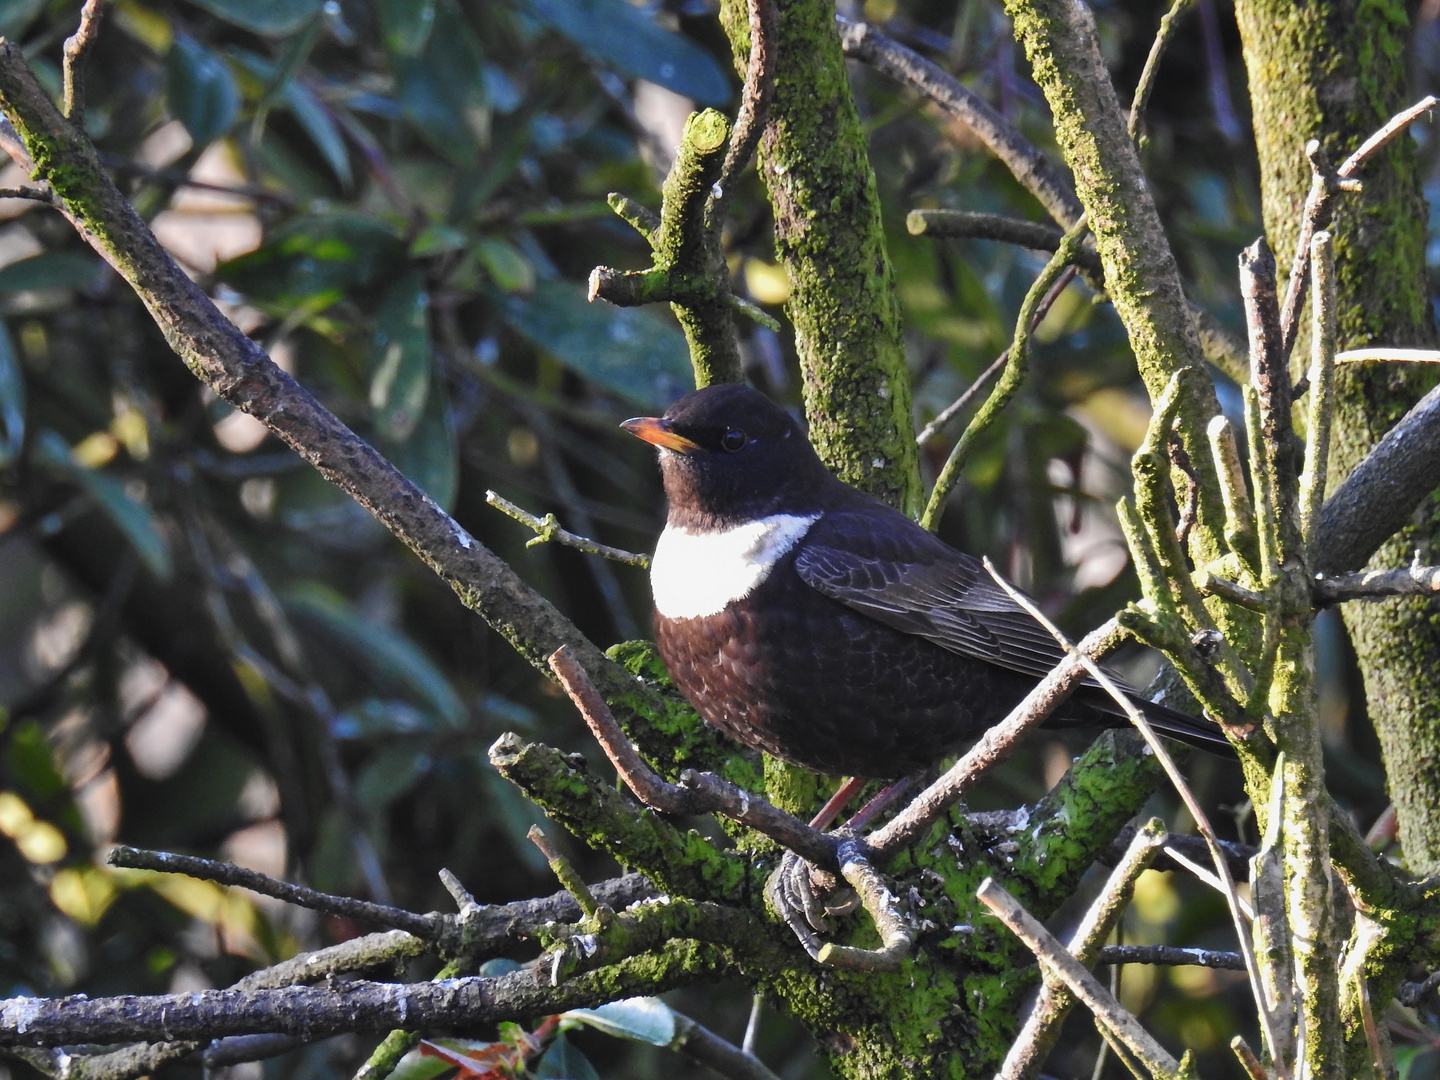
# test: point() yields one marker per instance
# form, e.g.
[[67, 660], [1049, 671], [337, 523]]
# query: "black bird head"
[[728, 455]]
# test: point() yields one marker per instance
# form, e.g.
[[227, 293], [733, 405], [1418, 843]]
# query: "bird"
[[806, 619]]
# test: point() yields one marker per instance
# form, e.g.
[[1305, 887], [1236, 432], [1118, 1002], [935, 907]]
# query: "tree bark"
[[1334, 72]]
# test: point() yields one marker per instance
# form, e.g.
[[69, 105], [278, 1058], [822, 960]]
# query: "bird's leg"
[[806, 889], [837, 802], [887, 797]]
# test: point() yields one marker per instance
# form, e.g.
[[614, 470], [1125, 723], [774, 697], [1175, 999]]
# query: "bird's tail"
[[1182, 727]]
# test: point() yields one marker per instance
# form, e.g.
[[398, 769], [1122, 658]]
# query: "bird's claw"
[[804, 895]]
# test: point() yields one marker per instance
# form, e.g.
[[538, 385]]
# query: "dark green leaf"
[[274, 17], [12, 400], [131, 517], [52, 270], [311, 115], [32, 762], [405, 24], [400, 357], [436, 239], [390, 776], [440, 90], [627, 38], [389, 654], [625, 350], [202, 92], [509, 269], [562, 1061], [316, 257], [430, 456], [309, 112]]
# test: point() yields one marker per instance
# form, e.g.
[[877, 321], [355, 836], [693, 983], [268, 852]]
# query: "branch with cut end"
[[1320, 206], [1042, 1027], [1118, 1025], [548, 529], [689, 271], [77, 48]]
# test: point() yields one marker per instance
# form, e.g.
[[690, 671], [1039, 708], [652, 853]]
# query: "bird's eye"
[[733, 440]]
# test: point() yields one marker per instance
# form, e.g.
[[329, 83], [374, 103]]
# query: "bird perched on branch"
[[806, 619]]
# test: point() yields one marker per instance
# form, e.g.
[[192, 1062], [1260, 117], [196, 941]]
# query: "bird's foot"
[[807, 895]]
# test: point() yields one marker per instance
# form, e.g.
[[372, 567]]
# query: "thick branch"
[[219, 354]]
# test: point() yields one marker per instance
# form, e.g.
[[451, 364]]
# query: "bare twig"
[[34, 194], [993, 747], [1378, 584], [1320, 207], [755, 100], [1146, 84], [1028, 1050], [1171, 956], [1390, 354], [1051, 281], [564, 872], [549, 529], [77, 45], [1109, 1014], [431, 927], [1202, 822], [697, 793], [1214, 585], [968, 225], [996, 366], [1248, 1061], [702, 1045], [1322, 390], [1035, 172]]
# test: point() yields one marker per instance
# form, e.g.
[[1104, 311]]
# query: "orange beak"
[[654, 429]]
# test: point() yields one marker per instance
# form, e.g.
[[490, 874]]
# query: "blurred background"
[[205, 648]]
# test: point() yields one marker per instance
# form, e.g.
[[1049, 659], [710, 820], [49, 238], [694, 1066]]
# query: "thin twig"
[[1207, 876], [1322, 390], [702, 1045], [1035, 172], [1389, 354], [993, 747], [969, 225], [34, 194], [549, 529], [1248, 1061], [956, 407], [1041, 1028], [564, 872], [697, 793], [430, 926], [1320, 207], [1109, 1013], [1171, 956], [77, 45], [1168, 23], [755, 98], [1378, 584], [1052, 279], [1202, 822]]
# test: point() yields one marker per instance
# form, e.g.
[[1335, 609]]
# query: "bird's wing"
[[909, 580]]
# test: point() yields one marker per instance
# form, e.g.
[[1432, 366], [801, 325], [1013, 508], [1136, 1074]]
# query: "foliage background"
[[205, 648]]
